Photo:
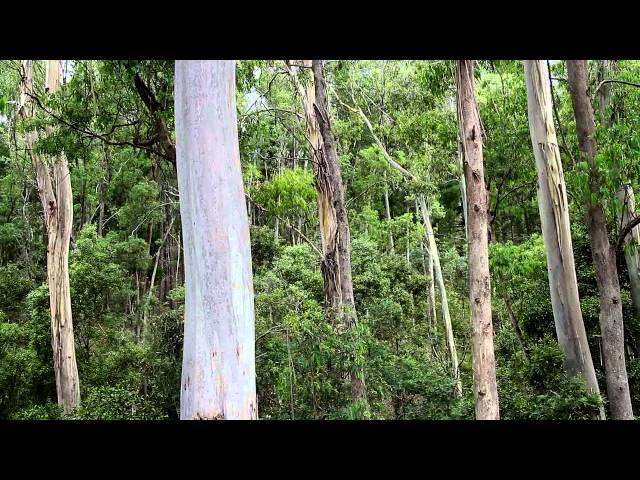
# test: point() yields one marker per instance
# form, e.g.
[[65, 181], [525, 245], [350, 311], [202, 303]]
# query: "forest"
[[319, 239]]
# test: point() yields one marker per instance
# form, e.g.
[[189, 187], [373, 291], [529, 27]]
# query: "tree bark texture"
[[484, 363], [218, 372], [334, 225], [54, 189], [603, 254], [554, 217]]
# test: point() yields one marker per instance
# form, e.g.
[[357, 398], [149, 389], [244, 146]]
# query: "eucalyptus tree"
[[218, 373], [554, 216]]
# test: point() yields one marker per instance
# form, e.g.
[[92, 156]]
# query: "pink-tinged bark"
[[218, 373]]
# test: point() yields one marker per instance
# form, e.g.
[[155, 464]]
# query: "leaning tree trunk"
[[632, 244], [334, 225], [604, 255], [432, 248], [433, 253], [554, 217], [218, 372], [484, 363], [54, 188]]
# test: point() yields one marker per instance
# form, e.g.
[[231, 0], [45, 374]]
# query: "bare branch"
[[623, 82]]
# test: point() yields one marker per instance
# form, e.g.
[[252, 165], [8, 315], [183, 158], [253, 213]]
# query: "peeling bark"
[[554, 217], [334, 227], [54, 188]]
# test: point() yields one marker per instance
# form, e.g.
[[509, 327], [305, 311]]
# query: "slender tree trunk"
[[484, 363], [554, 217], [463, 187], [632, 244], [388, 212], [407, 245], [334, 227], [218, 372], [514, 322], [604, 256], [433, 253], [54, 187]]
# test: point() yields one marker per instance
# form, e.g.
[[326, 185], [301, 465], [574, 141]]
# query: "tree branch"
[[626, 230], [144, 145], [623, 82]]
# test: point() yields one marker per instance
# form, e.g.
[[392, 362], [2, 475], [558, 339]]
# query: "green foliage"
[[129, 342], [538, 388]]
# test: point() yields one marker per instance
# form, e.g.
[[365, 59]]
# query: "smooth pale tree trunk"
[[218, 371], [632, 244], [433, 253], [556, 233], [432, 291], [484, 363], [54, 188], [387, 210], [603, 254]]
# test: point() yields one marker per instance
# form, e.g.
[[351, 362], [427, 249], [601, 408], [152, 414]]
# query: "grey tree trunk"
[[604, 256], [433, 253], [554, 218], [632, 244], [218, 372], [387, 210], [484, 363], [54, 188]]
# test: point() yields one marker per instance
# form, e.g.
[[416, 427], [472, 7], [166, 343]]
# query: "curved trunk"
[[554, 217], [218, 371], [54, 188], [433, 253]]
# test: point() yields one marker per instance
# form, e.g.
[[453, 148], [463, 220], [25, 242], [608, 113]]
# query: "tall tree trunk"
[[218, 372], [554, 218], [632, 244], [433, 253], [54, 188], [334, 225], [463, 188], [387, 210], [484, 363], [604, 256]]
